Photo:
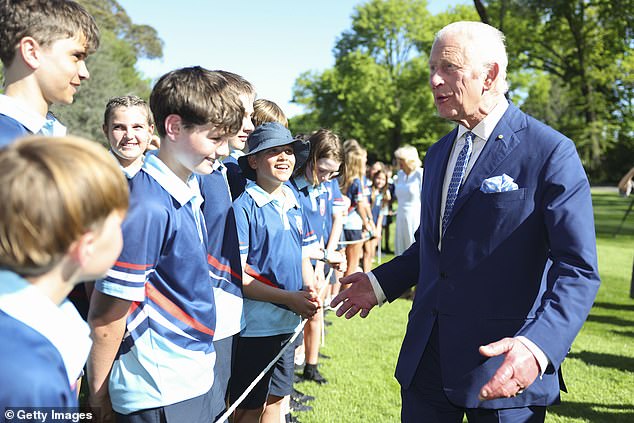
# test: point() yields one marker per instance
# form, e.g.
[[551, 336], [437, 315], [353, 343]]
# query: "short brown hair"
[[126, 101], [324, 144], [267, 111], [46, 21], [52, 191], [238, 83], [199, 96]]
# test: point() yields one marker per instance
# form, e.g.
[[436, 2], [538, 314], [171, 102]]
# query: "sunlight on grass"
[[599, 370]]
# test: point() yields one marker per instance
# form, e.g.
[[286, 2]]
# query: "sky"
[[270, 43]]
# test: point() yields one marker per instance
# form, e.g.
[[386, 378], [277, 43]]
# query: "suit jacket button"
[[443, 275]]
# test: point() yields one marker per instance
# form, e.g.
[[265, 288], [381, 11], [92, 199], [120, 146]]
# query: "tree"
[[377, 91], [585, 49], [112, 68]]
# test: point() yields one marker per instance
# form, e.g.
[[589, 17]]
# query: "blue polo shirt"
[[357, 191], [223, 253], [167, 353], [237, 181], [44, 350], [16, 120], [273, 239], [338, 203], [317, 207]]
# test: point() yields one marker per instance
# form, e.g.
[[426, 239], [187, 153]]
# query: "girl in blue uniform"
[[308, 182]]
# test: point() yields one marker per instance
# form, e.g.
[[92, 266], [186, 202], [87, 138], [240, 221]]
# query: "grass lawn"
[[599, 370]]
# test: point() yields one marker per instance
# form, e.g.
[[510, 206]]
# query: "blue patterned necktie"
[[457, 177]]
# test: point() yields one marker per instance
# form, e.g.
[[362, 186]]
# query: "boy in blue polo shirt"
[[223, 251], [275, 245], [61, 206], [43, 64], [237, 144], [153, 316]]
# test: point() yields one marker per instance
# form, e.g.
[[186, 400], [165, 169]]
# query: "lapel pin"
[[500, 136]]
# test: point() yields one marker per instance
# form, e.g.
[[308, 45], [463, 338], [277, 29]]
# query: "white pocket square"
[[501, 183]]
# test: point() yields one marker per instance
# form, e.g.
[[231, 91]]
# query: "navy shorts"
[[222, 373], [283, 373], [352, 234], [195, 410], [251, 357]]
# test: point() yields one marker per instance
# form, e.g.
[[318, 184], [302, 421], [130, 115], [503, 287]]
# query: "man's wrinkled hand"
[[358, 297], [518, 370]]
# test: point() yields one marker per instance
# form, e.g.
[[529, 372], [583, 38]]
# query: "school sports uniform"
[[225, 270], [353, 226], [273, 239], [17, 121], [314, 201], [167, 355], [46, 346], [237, 181]]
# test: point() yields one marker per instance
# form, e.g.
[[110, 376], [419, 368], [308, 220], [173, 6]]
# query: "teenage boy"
[[70, 199], [237, 144], [158, 293], [223, 248], [43, 48]]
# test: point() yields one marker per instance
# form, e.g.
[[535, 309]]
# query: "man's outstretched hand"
[[518, 370], [358, 297]]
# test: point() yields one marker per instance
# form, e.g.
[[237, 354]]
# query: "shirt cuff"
[[541, 358], [378, 291]]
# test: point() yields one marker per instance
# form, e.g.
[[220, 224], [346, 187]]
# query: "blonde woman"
[[359, 219], [407, 187]]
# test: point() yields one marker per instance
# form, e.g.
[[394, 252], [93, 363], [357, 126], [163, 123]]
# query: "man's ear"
[[491, 76], [29, 50], [173, 126]]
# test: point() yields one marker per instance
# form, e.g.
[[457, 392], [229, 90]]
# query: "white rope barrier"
[[296, 332], [356, 241]]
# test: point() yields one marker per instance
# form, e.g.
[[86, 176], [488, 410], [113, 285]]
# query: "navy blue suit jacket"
[[512, 263]]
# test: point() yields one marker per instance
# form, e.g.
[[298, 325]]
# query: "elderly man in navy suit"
[[504, 263]]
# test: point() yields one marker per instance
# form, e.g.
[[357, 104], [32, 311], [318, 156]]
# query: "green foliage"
[[585, 50], [598, 370], [376, 91], [112, 68]]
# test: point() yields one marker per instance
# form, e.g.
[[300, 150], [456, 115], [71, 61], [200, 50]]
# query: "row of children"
[[165, 319]]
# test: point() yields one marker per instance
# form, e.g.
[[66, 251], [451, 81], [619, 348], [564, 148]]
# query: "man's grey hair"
[[485, 45]]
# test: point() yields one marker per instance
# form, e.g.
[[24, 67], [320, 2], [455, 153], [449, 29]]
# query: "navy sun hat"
[[269, 135]]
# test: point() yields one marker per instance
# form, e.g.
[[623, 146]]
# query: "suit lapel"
[[497, 148]]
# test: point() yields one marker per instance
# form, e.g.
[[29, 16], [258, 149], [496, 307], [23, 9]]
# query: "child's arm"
[[107, 319], [364, 210], [301, 302]]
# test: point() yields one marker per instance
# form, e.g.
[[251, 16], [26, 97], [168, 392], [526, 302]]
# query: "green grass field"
[[599, 370]]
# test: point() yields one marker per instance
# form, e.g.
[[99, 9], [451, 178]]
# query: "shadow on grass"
[[618, 362], [628, 333], [610, 320], [612, 306], [595, 413]]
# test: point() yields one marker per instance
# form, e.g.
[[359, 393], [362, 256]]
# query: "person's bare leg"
[[242, 415], [273, 410]]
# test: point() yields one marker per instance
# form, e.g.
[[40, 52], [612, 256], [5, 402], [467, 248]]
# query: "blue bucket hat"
[[269, 135]]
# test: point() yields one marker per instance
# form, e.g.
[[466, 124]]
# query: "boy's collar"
[[60, 324], [181, 191], [262, 197], [33, 121]]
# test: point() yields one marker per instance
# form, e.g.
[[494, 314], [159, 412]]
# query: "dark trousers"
[[425, 400]]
